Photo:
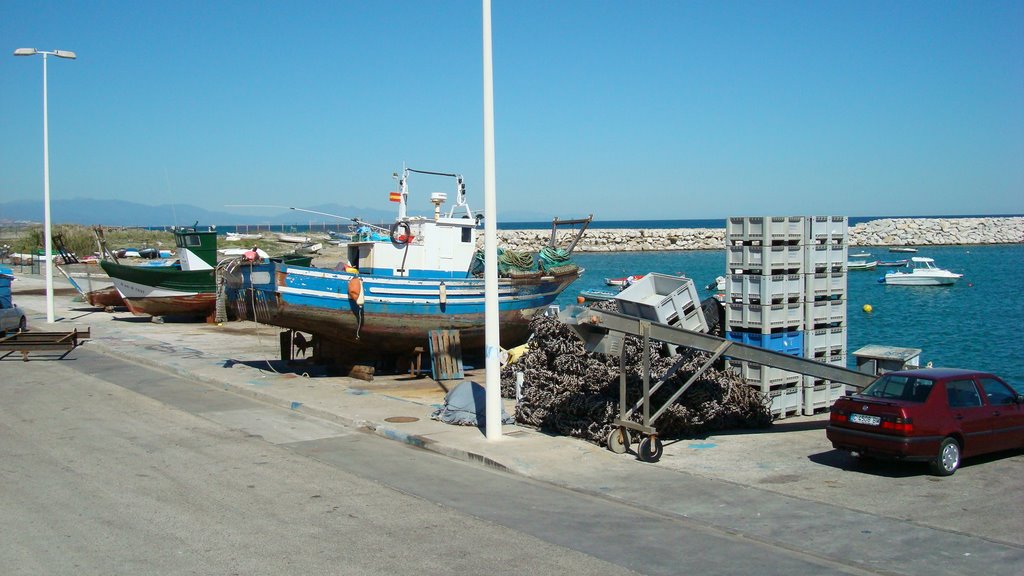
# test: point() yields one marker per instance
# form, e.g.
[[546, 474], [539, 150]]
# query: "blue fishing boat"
[[399, 283]]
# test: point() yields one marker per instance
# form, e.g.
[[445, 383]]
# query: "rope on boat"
[[552, 256], [221, 314], [517, 260], [509, 262]]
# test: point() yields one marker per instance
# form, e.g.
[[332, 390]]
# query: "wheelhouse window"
[[192, 240], [900, 388]]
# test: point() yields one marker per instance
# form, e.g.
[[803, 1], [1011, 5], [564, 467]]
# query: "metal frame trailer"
[[26, 342], [604, 331]]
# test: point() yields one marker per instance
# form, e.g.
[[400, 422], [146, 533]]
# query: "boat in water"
[[892, 263], [399, 283], [624, 281], [852, 265], [907, 250], [923, 272]]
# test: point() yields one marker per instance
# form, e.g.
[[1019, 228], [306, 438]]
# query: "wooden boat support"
[[26, 342], [603, 331]]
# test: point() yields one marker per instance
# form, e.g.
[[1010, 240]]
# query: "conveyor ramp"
[[603, 331]]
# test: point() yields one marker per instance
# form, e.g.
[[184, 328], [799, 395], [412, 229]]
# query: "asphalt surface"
[[784, 487]]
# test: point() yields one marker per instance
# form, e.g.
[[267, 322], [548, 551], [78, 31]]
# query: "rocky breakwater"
[[621, 240], [882, 232], [937, 231]]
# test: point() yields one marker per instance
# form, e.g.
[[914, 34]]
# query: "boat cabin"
[[419, 247], [197, 250], [444, 247]]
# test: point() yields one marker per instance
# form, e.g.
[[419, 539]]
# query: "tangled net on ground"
[[570, 391]]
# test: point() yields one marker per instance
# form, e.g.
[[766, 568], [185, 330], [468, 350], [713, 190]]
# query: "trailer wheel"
[[618, 440], [650, 449], [23, 325]]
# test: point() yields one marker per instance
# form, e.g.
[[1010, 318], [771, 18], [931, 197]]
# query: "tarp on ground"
[[465, 405]]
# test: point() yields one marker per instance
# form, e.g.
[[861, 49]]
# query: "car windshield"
[[897, 387]]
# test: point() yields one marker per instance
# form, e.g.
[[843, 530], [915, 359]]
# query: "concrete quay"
[[783, 486], [882, 232]]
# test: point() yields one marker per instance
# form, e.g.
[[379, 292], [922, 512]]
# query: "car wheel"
[[948, 458]]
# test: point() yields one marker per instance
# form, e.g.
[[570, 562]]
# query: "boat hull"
[[912, 280], [93, 284], [397, 313], [164, 291], [104, 298]]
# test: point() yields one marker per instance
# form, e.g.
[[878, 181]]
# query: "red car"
[[935, 415]]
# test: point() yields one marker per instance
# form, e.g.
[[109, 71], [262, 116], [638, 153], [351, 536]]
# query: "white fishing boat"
[[907, 250], [235, 236], [312, 248], [426, 273], [923, 272], [861, 255], [294, 238]]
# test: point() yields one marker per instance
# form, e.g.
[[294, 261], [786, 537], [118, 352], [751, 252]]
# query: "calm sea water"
[[977, 323]]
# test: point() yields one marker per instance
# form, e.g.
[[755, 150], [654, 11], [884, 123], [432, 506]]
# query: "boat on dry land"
[[188, 287], [401, 282], [93, 283]]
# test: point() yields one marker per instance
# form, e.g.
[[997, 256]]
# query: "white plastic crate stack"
[[825, 314], [764, 299]]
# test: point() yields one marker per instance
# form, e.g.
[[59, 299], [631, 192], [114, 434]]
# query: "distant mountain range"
[[87, 211]]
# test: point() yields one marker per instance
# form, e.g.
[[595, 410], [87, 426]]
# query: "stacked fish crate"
[[826, 250], [764, 300], [786, 291]]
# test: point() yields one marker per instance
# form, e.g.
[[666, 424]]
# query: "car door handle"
[[959, 416]]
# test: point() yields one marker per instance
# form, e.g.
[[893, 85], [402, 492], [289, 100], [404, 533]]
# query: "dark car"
[[935, 415]]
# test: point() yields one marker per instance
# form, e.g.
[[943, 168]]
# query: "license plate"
[[865, 419]]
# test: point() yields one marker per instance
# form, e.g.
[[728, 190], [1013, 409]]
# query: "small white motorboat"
[[923, 272], [861, 264], [624, 281], [908, 250]]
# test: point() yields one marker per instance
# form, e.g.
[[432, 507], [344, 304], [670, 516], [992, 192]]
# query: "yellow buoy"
[[868, 308]]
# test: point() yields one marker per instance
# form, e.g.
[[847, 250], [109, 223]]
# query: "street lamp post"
[[47, 240]]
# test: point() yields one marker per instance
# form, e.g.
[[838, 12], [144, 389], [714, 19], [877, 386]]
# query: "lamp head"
[[65, 54], [25, 52]]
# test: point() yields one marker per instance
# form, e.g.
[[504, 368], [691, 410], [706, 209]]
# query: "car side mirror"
[[1019, 398]]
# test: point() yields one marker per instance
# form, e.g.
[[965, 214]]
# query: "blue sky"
[[627, 110]]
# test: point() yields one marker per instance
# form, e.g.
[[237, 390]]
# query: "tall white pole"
[[47, 241], [492, 397]]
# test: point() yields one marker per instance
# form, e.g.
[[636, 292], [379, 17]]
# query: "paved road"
[[107, 467]]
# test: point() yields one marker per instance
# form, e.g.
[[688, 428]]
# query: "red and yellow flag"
[[395, 197]]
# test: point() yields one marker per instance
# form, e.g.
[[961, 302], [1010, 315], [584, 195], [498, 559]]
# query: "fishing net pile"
[[569, 391]]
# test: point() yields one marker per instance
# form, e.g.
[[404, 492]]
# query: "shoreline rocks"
[[882, 232]]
